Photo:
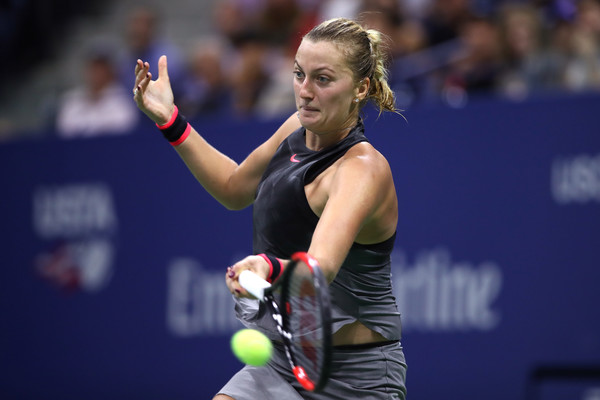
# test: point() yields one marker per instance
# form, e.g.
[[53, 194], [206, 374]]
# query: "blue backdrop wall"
[[114, 257]]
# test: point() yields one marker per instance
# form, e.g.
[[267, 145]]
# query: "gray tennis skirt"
[[366, 373]]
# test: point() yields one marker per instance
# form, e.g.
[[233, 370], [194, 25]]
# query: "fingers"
[[138, 65], [141, 69], [142, 77], [254, 263], [231, 279], [233, 273], [162, 68], [144, 82]]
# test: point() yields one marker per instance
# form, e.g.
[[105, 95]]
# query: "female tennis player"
[[316, 185]]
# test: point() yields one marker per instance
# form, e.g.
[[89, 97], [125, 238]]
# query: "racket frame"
[[264, 291]]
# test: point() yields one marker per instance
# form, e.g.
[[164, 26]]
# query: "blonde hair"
[[366, 56]]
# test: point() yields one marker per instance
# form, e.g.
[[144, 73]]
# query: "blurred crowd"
[[439, 50], [447, 51]]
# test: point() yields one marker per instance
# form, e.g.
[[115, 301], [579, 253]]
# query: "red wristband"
[[275, 267], [184, 136], [177, 129], [171, 120]]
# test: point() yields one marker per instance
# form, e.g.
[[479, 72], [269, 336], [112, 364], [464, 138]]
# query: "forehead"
[[321, 54]]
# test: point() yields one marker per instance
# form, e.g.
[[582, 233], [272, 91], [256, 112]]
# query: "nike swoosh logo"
[[293, 158]]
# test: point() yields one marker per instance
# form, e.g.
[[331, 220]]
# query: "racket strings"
[[305, 321]]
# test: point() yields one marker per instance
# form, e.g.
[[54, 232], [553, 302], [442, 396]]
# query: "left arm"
[[361, 203]]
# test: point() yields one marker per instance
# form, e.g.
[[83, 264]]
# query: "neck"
[[316, 141]]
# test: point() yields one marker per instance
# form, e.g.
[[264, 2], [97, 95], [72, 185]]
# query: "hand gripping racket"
[[302, 316]]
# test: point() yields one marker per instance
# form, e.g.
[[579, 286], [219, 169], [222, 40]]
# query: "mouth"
[[309, 108]]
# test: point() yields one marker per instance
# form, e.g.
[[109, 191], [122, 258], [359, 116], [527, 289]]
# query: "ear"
[[362, 90]]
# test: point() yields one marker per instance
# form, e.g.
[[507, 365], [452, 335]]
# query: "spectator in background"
[[206, 89], [279, 22], [283, 23], [263, 37], [276, 98], [528, 65], [232, 21], [445, 19], [247, 75], [101, 105], [478, 63], [405, 36], [582, 71], [143, 40]]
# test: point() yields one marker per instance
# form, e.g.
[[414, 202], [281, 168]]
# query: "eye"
[[323, 79], [298, 74]]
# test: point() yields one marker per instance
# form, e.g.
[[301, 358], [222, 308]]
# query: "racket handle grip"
[[254, 284]]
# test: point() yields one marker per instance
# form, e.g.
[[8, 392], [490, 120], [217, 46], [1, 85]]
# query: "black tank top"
[[284, 223]]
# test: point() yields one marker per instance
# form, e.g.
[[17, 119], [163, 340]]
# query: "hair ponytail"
[[380, 92]]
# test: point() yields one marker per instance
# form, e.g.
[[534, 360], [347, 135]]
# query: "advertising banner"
[[113, 257]]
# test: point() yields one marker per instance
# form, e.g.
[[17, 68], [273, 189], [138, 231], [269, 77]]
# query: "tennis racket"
[[302, 316]]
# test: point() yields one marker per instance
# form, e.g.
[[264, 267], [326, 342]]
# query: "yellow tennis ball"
[[251, 347]]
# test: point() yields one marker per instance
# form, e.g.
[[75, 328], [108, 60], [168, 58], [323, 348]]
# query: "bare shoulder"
[[365, 158], [363, 183]]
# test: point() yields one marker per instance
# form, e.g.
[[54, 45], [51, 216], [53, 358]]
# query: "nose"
[[305, 91]]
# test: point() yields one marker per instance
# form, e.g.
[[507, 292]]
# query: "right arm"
[[233, 185]]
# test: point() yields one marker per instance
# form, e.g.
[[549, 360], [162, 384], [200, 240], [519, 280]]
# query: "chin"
[[307, 120]]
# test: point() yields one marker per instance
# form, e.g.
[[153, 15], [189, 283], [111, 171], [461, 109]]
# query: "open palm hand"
[[154, 98]]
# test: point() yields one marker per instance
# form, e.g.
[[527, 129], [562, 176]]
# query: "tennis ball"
[[251, 347]]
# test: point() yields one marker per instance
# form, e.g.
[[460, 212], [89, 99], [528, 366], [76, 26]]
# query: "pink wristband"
[[171, 120], [177, 129], [184, 136], [275, 267]]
